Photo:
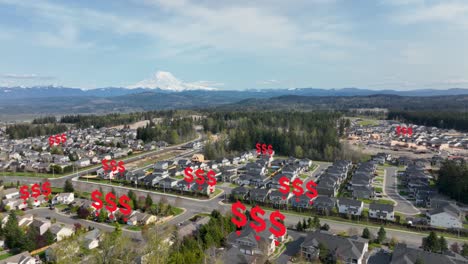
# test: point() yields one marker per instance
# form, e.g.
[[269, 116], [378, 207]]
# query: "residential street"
[[390, 188]]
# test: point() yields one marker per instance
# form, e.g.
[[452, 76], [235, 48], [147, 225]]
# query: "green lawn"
[[380, 201], [179, 177], [368, 122], [378, 189], [5, 256], [177, 211], [303, 176], [133, 228], [233, 185], [312, 168]]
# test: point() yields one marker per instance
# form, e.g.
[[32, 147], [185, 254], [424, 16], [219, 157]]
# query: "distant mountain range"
[[54, 91], [62, 100]]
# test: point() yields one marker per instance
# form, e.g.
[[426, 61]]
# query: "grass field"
[[5, 256], [379, 201], [368, 122]]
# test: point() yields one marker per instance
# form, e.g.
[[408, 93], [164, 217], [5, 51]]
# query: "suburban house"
[[259, 195], [402, 254], [64, 198], [324, 204], [348, 249], [190, 228], [91, 239], [60, 232], [240, 193], [141, 219], [381, 211], [11, 193], [41, 225], [350, 206], [447, 215], [249, 245]]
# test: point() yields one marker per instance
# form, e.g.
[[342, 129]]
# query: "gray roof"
[[381, 207], [403, 254], [448, 208], [349, 202], [343, 246]]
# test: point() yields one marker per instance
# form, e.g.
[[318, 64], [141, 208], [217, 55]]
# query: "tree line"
[[173, 131], [313, 135], [453, 180], [25, 130], [446, 120]]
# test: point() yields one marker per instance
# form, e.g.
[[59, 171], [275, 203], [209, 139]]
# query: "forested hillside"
[[311, 135], [173, 131]]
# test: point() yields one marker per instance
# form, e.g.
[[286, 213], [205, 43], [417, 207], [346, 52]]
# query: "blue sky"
[[376, 44]]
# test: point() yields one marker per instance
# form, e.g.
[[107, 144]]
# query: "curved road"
[[390, 188]]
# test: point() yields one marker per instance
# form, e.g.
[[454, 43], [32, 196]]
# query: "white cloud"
[[13, 76], [166, 81], [454, 12], [256, 28]]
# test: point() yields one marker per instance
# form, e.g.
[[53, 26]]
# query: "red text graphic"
[[200, 180], [404, 131], [297, 189], [258, 223], [113, 166], [264, 149], [57, 140], [36, 190], [111, 201]]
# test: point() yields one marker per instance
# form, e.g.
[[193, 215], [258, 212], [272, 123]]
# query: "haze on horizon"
[[382, 44]]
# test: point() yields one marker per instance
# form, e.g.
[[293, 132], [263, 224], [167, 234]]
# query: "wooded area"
[[311, 135], [448, 120], [453, 180]]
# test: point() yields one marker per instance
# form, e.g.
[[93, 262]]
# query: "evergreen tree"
[[299, 226], [443, 244], [381, 235], [431, 243], [14, 235], [366, 233], [309, 223], [148, 201], [316, 222], [68, 186], [304, 224], [49, 237], [325, 227]]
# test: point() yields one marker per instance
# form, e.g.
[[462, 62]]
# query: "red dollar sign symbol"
[[64, 138], [113, 163], [112, 206], [261, 223], [211, 179], [46, 190], [188, 175], [24, 190], [280, 229], [259, 149], [35, 191], [200, 178], [124, 202], [242, 219], [312, 192], [105, 167], [121, 167], [96, 196], [297, 185], [264, 149], [270, 149], [51, 141], [284, 189]]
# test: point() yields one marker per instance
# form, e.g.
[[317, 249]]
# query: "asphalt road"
[[390, 184], [46, 212]]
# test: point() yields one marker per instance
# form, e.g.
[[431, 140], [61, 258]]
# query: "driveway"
[[390, 188]]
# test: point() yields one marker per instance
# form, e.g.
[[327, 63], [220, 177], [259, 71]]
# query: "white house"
[[11, 193], [448, 216], [60, 232], [83, 162], [381, 211], [64, 198], [349, 206]]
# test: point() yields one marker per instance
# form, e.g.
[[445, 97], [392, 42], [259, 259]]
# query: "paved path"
[[390, 188]]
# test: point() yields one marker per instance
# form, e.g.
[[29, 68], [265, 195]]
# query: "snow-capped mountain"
[[166, 81]]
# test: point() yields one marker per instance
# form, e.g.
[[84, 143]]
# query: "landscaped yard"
[[378, 189], [5, 255], [133, 228], [368, 122], [380, 201]]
